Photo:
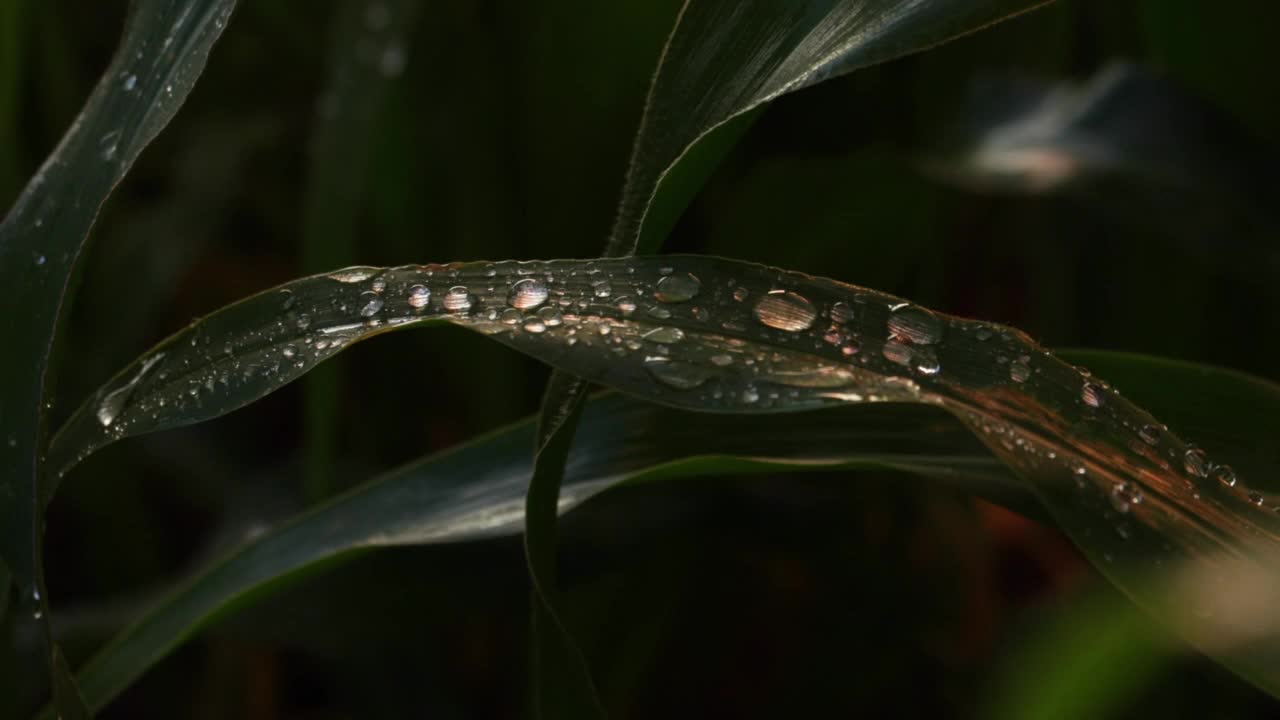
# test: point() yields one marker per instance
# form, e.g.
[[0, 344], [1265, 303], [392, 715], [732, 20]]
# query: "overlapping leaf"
[[719, 335]]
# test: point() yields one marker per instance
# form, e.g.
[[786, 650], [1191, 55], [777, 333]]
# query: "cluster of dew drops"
[[530, 302]]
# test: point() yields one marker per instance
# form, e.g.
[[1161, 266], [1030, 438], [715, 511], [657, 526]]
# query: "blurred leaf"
[[368, 53], [161, 53], [477, 490], [717, 335], [12, 47], [1128, 142]]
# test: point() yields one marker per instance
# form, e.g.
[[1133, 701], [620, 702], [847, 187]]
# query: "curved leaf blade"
[[477, 491], [161, 53]]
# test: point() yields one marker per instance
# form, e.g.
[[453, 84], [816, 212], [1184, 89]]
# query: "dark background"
[[506, 136]]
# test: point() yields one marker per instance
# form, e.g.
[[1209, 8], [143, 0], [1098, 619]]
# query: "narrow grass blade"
[[725, 336], [162, 52]]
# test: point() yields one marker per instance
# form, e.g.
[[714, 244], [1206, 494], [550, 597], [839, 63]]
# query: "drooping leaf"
[[477, 491], [718, 335], [162, 52], [367, 55]]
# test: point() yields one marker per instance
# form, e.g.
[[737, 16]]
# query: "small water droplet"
[[1120, 497], [534, 325], [601, 289], [352, 275], [1224, 475], [378, 285], [1196, 462], [1019, 371], [741, 294], [511, 316], [676, 374], [665, 335], [1150, 434], [419, 296], [550, 316], [659, 313], [1256, 498], [785, 310], [40, 259], [288, 351], [677, 288], [841, 313], [457, 300], [130, 82], [626, 306], [1092, 395], [370, 303], [721, 360], [605, 329], [527, 293], [750, 394], [912, 324]]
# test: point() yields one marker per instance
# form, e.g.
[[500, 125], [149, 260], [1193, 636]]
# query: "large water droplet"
[[550, 316], [419, 296], [676, 374], [458, 299], [353, 275], [785, 310], [370, 303], [909, 323], [664, 335], [677, 288], [527, 293], [534, 325]]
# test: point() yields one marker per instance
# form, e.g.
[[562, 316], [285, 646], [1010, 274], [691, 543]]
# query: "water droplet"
[[130, 82], [741, 294], [605, 329], [534, 325], [370, 303], [352, 275], [1224, 475], [1256, 498], [676, 374], [1120, 497], [912, 324], [664, 335], [511, 316], [378, 285], [1092, 395], [983, 334], [1019, 371], [721, 360], [113, 402], [527, 293], [659, 313], [1196, 462], [601, 289], [677, 288], [289, 351], [550, 316], [841, 313], [785, 310], [419, 296], [750, 395], [1150, 434], [40, 259], [626, 306], [458, 299], [926, 361]]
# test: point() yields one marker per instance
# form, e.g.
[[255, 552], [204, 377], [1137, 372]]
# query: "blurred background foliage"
[[503, 132]]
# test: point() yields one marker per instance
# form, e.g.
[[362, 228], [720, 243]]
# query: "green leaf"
[[367, 54], [162, 52], [727, 58], [477, 490], [725, 336]]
